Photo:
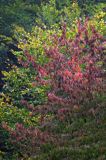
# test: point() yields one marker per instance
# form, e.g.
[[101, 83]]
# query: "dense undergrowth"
[[53, 103]]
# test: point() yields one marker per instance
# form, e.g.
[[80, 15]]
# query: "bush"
[[12, 115], [74, 76]]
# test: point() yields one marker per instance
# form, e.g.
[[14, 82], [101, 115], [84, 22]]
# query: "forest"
[[52, 80]]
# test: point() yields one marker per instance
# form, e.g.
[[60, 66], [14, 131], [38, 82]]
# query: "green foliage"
[[48, 14], [16, 12], [12, 115], [20, 85], [35, 41], [5, 62], [71, 13]]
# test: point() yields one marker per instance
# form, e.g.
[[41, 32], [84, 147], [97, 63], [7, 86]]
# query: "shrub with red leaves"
[[74, 73], [75, 76], [27, 141]]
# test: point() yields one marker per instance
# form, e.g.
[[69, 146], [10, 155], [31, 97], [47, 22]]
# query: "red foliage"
[[27, 140], [74, 77], [75, 74]]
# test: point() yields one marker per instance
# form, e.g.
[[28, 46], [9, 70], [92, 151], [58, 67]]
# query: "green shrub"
[[20, 84]]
